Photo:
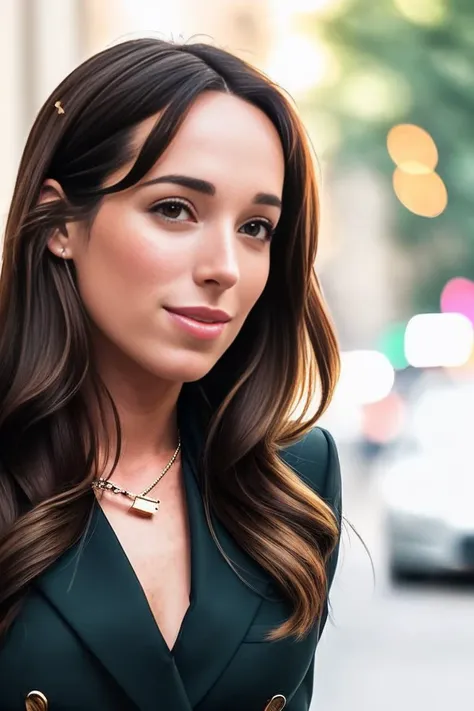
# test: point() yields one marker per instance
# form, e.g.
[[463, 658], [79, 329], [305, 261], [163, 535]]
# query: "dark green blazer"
[[86, 638]]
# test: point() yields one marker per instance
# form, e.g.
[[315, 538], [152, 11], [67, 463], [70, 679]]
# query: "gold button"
[[36, 701], [276, 703]]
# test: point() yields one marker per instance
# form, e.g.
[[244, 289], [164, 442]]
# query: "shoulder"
[[315, 459]]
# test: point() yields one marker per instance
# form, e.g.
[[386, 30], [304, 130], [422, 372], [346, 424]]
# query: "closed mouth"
[[201, 314]]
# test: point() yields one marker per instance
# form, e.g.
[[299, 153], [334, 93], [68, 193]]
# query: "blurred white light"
[[366, 377], [299, 64], [443, 416], [310, 5], [154, 16], [343, 419], [438, 340], [287, 8], [433, 483]]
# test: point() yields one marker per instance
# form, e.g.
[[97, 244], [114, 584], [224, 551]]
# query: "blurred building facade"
[[41, 41]]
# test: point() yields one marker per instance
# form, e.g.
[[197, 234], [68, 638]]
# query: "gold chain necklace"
[[142, 505]]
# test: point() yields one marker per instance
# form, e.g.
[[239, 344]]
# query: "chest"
[[91, 616], [158, 550]]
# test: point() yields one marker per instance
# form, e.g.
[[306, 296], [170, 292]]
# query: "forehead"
[[223, 138]]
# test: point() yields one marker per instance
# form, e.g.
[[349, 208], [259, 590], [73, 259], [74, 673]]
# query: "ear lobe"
[[57, 245], [52, 191]]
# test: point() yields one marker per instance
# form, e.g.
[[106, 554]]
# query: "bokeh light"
[[438, 340], [458, 297], [423, 12], [422, 194], [322, 8], [366, 377], [462, 372], [444, 414], [300, 64], [383, 421], [146, 16], [412, 149], [376, 95], [391, 343]]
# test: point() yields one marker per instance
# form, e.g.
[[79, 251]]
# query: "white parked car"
[[428, 496]]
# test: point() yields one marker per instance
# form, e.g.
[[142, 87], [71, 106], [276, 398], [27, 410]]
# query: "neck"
[[147, 410]]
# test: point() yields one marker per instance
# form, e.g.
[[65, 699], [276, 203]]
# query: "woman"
[[168, 530]]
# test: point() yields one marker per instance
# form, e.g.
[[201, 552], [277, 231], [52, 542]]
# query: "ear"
[[60, 242]]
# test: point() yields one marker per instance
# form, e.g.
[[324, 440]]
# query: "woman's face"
[[194, 234]]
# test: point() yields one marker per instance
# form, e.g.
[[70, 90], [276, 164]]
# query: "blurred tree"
[[408, 61]]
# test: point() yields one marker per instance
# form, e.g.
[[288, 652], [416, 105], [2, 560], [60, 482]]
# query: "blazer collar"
[[95, 589]]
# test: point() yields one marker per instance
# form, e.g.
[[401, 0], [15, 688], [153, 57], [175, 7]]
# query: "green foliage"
[[395, 71]]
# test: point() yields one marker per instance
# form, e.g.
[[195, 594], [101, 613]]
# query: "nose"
[[217, 260]]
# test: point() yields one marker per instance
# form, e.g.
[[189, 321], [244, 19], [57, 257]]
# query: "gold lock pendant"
[[143, 506]]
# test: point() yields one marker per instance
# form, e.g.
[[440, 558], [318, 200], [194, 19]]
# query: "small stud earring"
[[63, 253]]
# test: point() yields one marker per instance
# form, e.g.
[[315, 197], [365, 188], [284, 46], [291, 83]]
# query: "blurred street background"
[[386, 90]]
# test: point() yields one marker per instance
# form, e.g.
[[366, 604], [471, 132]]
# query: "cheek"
[[117, 271], [253, 281]]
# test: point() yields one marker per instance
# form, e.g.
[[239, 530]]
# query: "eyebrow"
[[203, 186]]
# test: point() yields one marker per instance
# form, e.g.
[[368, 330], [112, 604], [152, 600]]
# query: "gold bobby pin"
[[36, 701], [59, 107]]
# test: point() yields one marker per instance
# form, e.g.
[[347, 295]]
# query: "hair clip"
[[59, 107]]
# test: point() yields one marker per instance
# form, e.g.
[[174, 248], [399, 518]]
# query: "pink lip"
[[204, 331], [205, 312]]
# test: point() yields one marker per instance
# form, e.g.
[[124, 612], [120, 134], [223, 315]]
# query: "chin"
[[184, 367]]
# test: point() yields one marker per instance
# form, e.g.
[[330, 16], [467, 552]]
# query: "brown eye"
[[172, 210], [259, 229]]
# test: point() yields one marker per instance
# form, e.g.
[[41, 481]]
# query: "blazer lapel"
[[94, 589], [222, 607]]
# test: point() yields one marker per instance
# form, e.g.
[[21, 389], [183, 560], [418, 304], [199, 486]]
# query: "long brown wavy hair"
[[286, 351]]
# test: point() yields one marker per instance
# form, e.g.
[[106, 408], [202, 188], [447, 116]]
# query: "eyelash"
[[179, 201]]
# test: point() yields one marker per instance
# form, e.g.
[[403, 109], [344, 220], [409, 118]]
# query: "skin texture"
[[133, 261]]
